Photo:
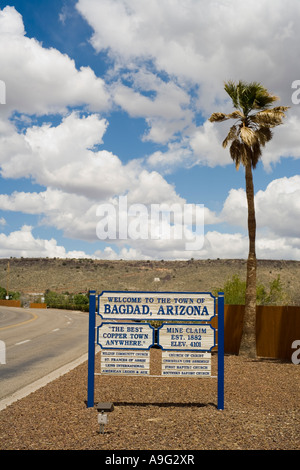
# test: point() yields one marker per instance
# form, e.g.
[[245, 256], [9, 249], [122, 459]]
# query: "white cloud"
[[124, 253], [66, 157], [166, 161], [207, 148], [167, 100], [75, 215], [285, 142], [277, 215], [77, 175], [23, 243], [194, 58], [217, 245], [278, 207], [40, 80], [11, 22], [198, 40], [168, 67], [197, 45], [202, 147], [63, 157], [235, 209], [225, 245], [164, 105]]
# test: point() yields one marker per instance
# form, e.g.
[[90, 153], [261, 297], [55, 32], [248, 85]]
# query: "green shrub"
[[2, 293], [12, 295], [67, 301], [235, 291], [275, 296]]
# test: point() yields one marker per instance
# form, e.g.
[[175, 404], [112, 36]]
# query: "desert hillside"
[[35, 275]]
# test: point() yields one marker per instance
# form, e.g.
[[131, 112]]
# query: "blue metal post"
[[91, 349], [220, 351]]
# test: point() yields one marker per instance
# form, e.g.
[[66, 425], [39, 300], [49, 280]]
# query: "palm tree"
[[254, 120]]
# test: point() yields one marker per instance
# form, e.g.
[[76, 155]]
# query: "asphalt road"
[[37, 342]]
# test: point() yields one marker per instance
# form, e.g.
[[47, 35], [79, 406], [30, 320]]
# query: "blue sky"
[[107, 99]]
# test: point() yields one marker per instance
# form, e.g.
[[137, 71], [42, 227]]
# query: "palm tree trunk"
[[248, 342]]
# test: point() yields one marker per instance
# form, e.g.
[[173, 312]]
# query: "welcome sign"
[[166, 306], [185, 337]]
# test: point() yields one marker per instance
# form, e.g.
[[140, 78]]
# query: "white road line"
[[56, 329], [22, 342]]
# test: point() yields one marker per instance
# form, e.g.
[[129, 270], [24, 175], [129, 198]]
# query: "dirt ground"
[[262, 411]]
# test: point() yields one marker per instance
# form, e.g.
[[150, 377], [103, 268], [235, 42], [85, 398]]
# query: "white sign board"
[[186, 364], [165, 306], [125, 362], [125, 335], [186, 336]]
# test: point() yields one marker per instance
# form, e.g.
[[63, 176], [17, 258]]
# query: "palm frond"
[[249, 96], [262, 99], [232, 134], [235, 115], [255, 154], [236, 152], [231, 89], [255, 119], [269, 117], [282, 109], [264, 135], [248, 136], [218, 117]]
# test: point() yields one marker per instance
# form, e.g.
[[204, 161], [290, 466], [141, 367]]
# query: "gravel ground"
[[262, 411]]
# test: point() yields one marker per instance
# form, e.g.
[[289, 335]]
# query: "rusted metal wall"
[[10, 303], [37, 305], [276, 329]]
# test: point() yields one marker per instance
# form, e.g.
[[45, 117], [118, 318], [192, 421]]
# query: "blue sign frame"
[[92, 343]]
